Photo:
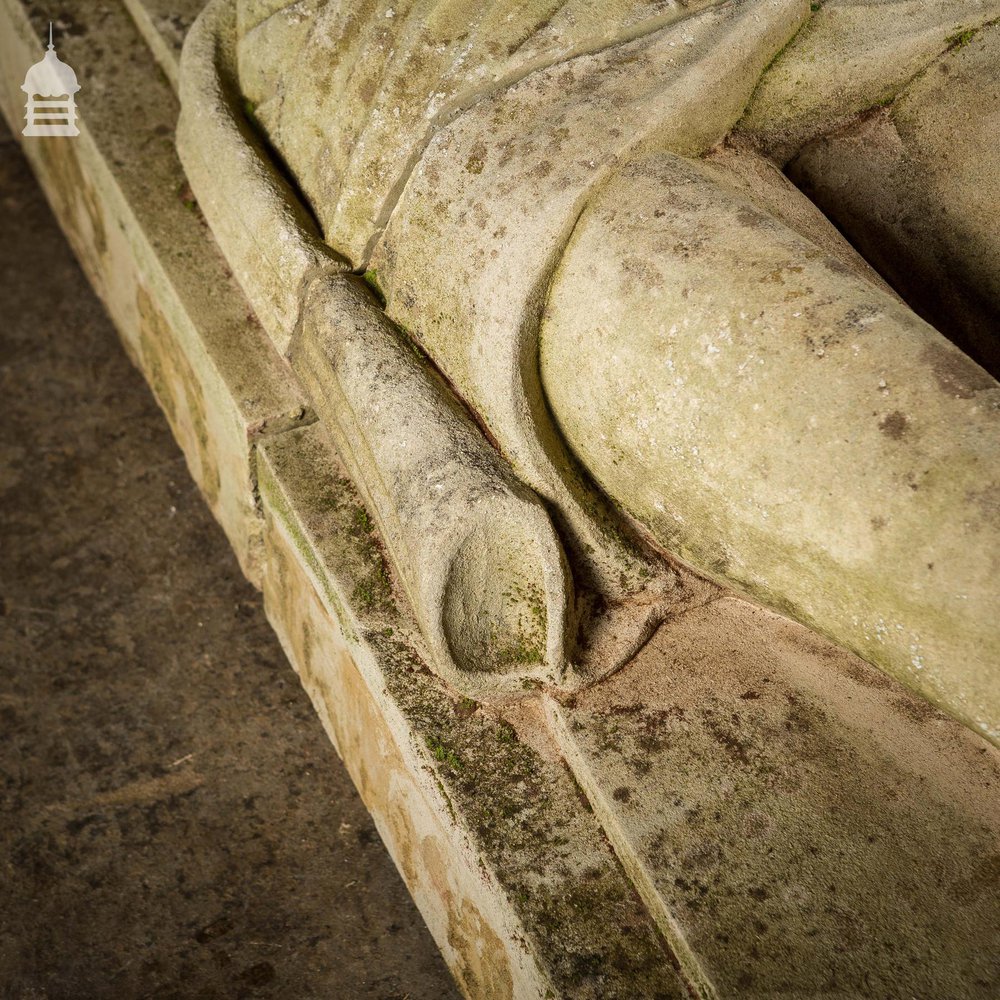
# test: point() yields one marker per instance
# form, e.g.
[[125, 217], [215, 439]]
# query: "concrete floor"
[[173, 821]]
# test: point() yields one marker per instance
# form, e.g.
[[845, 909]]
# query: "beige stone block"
[[744, 809], [801, 824]]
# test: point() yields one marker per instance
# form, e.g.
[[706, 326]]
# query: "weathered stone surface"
[[851, 56], [783, 425], [915, 186], [489, 312], [267, 235], [467, 258], [803, 824], [479, 324], [550, 149], [475, 549], [164, 24], [390, 72], [275, 267], [124, 202], [506, 862], [739, 166]]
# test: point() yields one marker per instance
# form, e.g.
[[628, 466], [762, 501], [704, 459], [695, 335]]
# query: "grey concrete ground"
[[173, 821]]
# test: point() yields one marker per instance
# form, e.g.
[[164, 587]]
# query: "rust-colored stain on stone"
[[179, 393], [77, 203]]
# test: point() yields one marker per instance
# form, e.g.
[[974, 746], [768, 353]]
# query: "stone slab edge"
[[121, 197], [163, 24], [498, 845]]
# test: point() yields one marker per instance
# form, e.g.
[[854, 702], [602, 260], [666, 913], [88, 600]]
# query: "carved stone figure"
[[547, 278]]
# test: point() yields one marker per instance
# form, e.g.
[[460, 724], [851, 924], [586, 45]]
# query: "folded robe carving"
[[631, 334]]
